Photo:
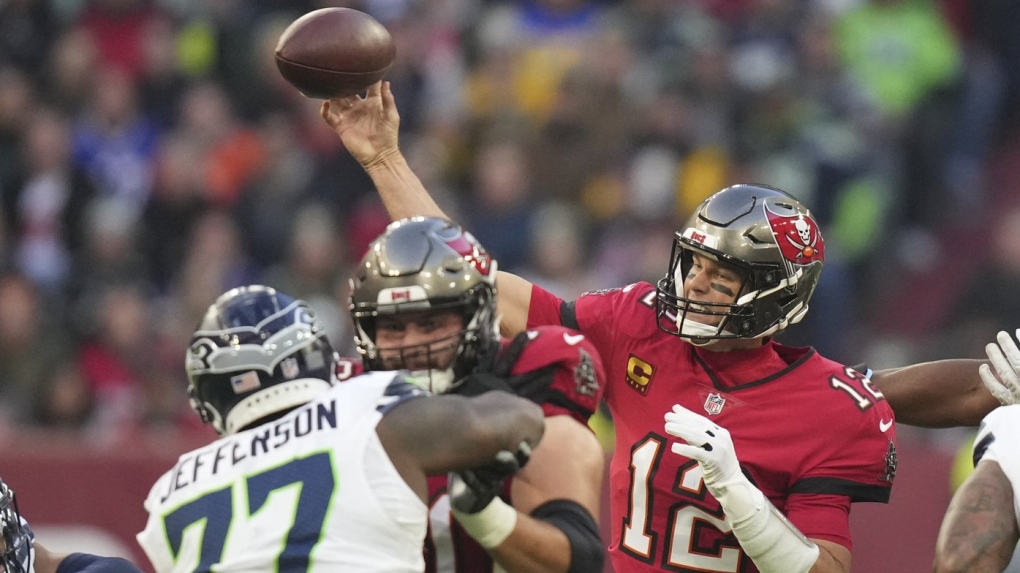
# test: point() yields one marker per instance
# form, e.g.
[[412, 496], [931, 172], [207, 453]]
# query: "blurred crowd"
[[152, 157]]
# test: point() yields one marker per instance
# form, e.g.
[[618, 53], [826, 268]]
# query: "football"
[[334, 52]]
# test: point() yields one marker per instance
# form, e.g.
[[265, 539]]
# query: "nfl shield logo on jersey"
[[714, 404]]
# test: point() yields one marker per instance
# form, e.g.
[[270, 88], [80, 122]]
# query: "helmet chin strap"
[[283, 396], [435, 380], [695, 332]]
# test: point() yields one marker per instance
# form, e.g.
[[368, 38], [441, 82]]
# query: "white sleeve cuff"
[[491, 526]]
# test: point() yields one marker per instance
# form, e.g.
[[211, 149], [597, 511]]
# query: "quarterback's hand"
[[471, 490], [707, 442], [368, 126], [1005, 357]]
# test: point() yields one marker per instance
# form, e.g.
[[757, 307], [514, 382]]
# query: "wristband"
[[766, 536], [492, 525]]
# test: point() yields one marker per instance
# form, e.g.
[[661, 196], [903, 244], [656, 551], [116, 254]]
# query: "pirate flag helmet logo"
[[798, 237]]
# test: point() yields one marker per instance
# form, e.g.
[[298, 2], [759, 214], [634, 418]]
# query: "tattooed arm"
[[980, 530]]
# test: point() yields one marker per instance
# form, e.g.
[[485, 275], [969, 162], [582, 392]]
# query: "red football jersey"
[[810, 433], [575, 389]]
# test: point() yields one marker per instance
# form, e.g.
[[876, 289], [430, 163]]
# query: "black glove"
[[472, 490], [496, 375], [532, 385]]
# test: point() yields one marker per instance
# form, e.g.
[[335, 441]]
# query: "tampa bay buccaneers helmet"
[[770, 238], [16, 553], [257, 352], [421, 264]]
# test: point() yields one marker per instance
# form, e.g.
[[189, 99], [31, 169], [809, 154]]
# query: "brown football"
[[334, 52]]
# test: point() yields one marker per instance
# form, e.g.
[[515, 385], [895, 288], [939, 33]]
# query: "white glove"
[[1005, 357], [766, 536], [707, 442]]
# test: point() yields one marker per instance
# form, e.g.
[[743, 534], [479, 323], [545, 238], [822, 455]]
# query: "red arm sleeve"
[[544, 309], [820, 516]]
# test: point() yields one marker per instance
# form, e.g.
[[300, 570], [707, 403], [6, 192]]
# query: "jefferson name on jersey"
[[226, 453]]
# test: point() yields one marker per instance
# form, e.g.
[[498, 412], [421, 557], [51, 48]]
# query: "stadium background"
[[151, 157]]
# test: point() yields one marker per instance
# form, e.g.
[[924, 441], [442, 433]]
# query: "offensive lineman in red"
[[768, 444], [424, 300]]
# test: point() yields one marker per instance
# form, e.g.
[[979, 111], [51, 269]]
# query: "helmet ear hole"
[[197, 405]]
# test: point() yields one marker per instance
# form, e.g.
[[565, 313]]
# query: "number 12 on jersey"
[[687, 520], [216, 514]]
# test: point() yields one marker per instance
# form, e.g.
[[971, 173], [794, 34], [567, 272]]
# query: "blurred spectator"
[[366, 219], [161, 83], [899, 51], [119, 29], [116, 355], [993, 27], [557, 259], [28, 29], [316, 268], [543, 40], [31, 341], [63, 400], [111, 252], [52, 203], [281, 183], [178, 200], [973, 129], [586, 133], [905, 58], [231, 153], [115, 144], [631, 250], [16, 100], [502, 211], [246, 61], [989, 302], [214, 262], [72, 67]]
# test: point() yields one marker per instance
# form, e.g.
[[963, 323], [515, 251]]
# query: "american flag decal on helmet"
[[245, 382]]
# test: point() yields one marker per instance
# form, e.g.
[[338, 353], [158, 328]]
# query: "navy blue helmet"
[[256, 353]]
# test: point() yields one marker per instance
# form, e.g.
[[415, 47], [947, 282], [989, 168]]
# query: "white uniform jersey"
[[312, 491], [998, 439]]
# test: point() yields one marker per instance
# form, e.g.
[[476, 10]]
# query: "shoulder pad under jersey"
[[577, 375]]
